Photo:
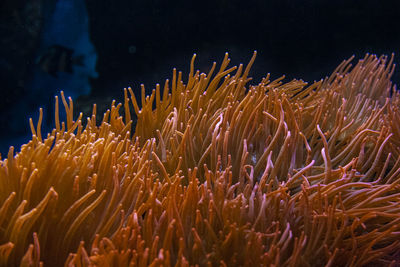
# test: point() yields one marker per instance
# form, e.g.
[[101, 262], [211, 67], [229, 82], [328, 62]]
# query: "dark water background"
[[141, 41]]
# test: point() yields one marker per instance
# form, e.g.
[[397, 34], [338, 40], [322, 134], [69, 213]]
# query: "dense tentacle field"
[[218, 171]]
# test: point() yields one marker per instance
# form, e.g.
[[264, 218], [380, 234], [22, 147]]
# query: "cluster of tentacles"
[[217, 172]]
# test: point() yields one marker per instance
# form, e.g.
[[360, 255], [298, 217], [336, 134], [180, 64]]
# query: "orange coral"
[[219, 173]]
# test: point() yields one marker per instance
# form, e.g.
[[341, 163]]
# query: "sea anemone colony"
[[216, 172]]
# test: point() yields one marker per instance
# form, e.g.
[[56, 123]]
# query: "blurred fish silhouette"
[[58, 58]]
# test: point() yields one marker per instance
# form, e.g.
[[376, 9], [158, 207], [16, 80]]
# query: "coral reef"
[[217, 172]]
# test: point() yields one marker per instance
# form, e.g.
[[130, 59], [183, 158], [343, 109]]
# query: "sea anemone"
[[217, 172]]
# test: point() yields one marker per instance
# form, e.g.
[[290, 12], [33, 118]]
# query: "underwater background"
[[92, 49]]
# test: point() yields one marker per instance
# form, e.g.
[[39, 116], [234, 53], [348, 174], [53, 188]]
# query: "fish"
[[58, 58]]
